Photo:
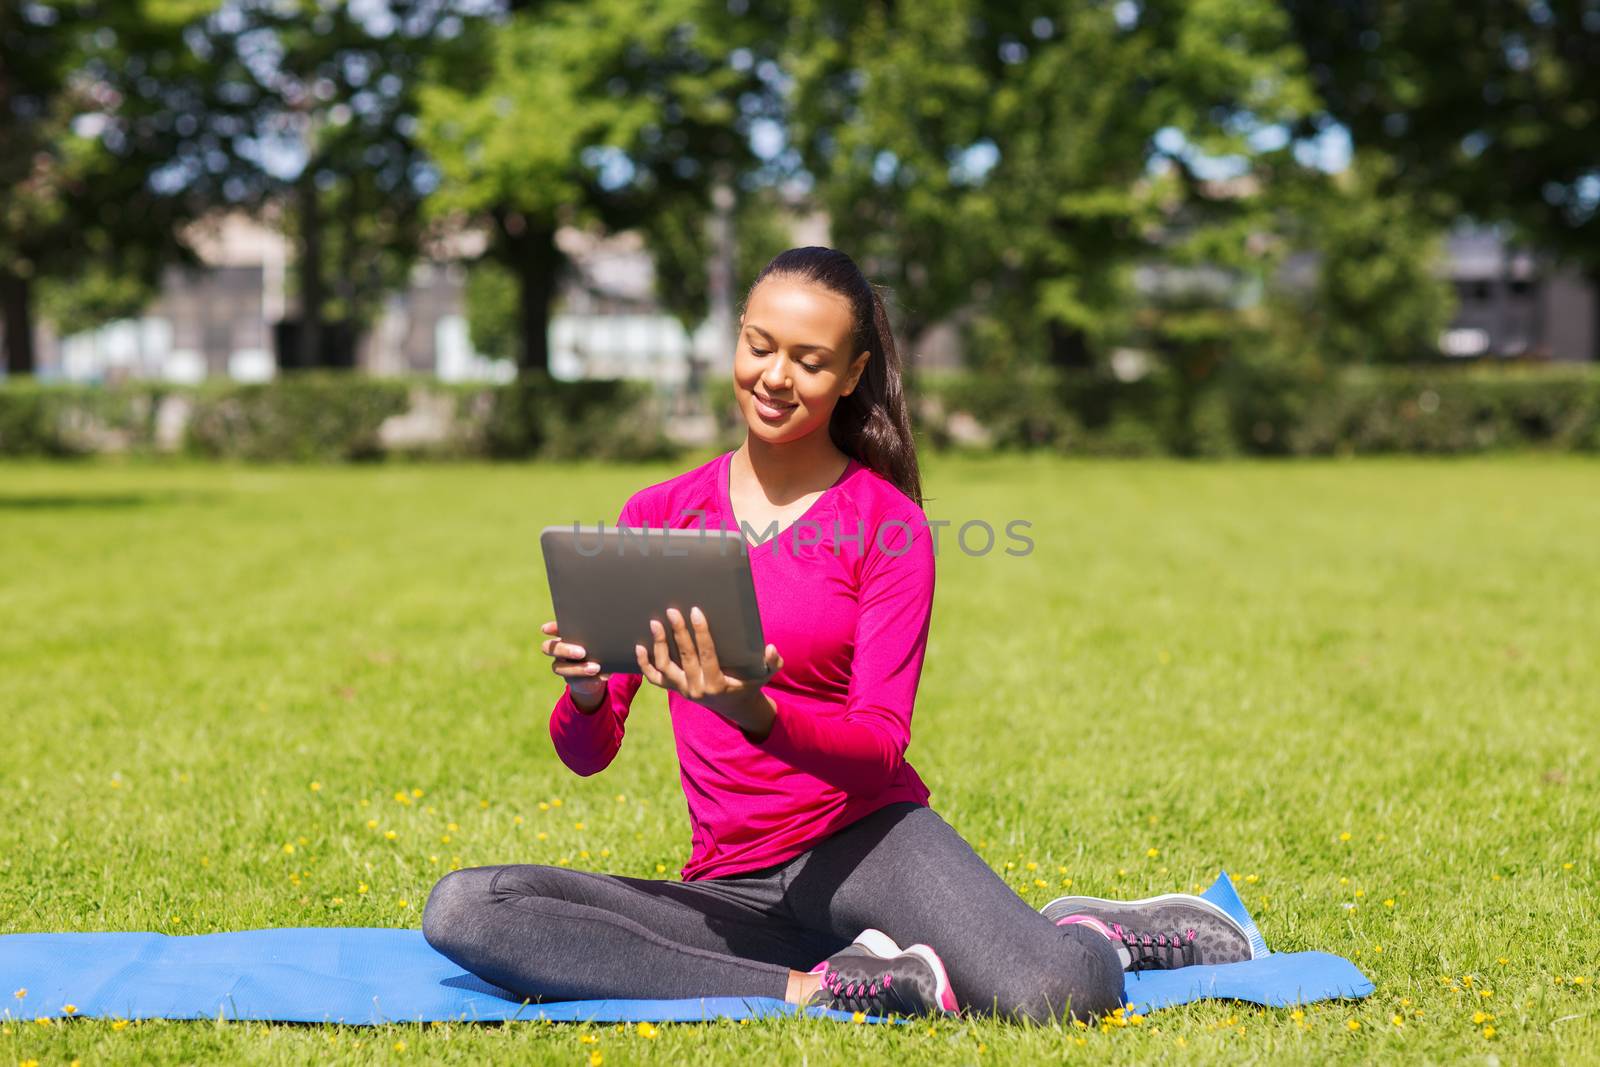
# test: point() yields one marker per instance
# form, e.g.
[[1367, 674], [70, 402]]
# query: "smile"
[[772, 409]]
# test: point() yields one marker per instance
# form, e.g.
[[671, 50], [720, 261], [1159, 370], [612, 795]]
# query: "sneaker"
[[875, 976], [1159, 933]]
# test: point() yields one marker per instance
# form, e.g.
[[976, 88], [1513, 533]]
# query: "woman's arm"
[[587, 739], [862, 748], [587, 742]]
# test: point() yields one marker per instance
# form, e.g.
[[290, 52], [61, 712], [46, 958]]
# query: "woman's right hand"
[[583, 676]]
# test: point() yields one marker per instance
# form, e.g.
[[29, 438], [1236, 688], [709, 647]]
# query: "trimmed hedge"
[[298, 417], [553, 419], [332, 416], [63, 421], [1269, 411]]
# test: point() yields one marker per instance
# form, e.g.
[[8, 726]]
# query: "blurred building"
[[222, 319], [1512, 303]]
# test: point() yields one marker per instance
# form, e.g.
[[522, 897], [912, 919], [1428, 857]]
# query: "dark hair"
[[871, 423]]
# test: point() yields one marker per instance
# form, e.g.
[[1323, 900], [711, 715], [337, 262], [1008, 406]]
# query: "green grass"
[[1349, 683]]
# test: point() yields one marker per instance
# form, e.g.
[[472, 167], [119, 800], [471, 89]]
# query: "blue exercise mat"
[[368, 976], [1276, 979]]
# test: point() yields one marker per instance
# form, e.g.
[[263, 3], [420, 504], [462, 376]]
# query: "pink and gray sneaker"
[[875, 976], [1158, 933]]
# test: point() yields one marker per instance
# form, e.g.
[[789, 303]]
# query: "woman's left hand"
[[699, 676]]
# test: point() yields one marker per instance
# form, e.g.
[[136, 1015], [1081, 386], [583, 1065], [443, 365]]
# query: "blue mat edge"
[[1179, 987]]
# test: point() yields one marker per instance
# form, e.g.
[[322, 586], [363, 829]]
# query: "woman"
[[815, 856]]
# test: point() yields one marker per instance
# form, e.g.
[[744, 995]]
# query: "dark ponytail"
[[872, 423]]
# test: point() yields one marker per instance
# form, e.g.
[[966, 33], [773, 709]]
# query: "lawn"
[[1368, 689]]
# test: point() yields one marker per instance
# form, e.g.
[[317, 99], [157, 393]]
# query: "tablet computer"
[[608, 582]]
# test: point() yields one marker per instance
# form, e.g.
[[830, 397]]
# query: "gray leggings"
[[553, 933]]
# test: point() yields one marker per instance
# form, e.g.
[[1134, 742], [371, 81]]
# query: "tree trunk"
[[1069, 348], [1592, 275], [312, 288], [16, 308], [531, 253]]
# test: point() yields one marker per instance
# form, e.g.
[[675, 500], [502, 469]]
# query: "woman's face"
[[794, 361]]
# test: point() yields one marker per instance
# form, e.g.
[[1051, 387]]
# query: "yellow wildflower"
[[647, 1031], [316, 787], [1354, 1025], [1345, 836]]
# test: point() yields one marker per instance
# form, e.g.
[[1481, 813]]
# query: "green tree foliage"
[[592, 113], [111, 136], [679, 239], [331, 87], [1030, 155], [491, 298], [1489, 108], [1378, 291]]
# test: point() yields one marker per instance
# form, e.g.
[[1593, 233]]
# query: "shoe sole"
[[1219, 938]]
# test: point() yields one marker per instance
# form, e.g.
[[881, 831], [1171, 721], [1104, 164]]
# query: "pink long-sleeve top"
[[846, 595]]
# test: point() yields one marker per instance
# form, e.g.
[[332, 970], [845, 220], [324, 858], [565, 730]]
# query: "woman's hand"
[[584, 680], [699, 676]]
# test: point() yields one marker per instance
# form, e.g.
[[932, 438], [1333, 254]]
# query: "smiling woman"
[[815, 854]]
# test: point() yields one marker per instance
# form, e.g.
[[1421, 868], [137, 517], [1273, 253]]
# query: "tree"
[[679, 239], [110, 139], [1378, 294], [1489, 109], [1025, 157], [332, 95], [586, 113]]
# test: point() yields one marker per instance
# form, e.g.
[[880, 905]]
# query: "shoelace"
[[857, 995], [1157, 950]]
